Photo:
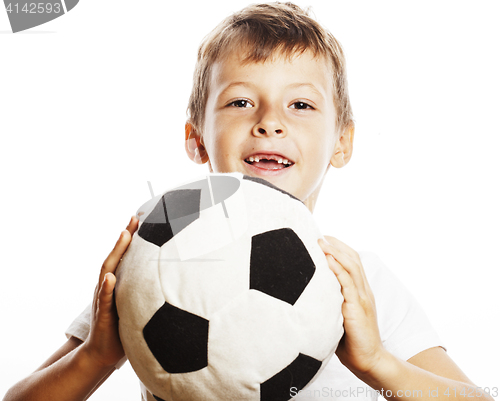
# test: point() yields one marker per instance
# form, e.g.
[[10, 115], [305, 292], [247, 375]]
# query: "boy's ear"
[[194, 145], [343, 148]]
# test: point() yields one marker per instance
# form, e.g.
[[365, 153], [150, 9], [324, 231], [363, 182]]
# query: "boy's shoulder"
[[404, 327]]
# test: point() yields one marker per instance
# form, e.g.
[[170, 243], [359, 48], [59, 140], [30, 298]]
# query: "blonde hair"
[[261, 30]]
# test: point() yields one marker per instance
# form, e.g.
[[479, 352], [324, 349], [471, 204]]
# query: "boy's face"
[[274, 120]]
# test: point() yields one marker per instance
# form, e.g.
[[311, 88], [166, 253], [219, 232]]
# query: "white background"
[[92, 106]]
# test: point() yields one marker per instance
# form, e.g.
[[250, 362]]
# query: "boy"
[[270, 100]]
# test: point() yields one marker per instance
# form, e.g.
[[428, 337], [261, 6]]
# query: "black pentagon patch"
[[202, 185], [280, 265], [291, 379], [268, 184], [174, 212], [177, 339]]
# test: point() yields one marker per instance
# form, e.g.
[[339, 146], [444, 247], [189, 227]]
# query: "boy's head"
[[270, 62], [261, 31]]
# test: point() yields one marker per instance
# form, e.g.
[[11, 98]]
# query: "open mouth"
[[269, 162]]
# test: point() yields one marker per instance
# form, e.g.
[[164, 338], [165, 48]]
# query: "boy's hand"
[[360, 349], [103, 344]]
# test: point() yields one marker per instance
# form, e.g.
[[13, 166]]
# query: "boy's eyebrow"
[[307, 85], [297, 85], [233, 84]]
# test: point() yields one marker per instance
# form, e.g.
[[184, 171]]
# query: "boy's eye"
[[240, 103], [300, 106]]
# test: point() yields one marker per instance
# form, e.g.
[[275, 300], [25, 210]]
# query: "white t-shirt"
[[404, 329]]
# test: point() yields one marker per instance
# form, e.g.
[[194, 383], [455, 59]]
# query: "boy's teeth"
[[257, 159]]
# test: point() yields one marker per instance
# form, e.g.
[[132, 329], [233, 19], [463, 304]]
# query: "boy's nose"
[[263, 131], [269, 126]]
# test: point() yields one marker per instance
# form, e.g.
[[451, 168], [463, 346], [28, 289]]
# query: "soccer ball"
[[225, 294]]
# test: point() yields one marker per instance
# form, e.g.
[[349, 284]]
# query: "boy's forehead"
[[237, 67]]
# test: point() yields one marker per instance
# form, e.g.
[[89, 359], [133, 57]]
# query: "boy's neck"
[[310, 202]]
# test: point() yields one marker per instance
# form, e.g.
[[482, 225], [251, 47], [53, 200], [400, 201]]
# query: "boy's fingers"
[[132, 225], [105, 301], [354, 262], [345, 249], [352, 265], [347, 264], [345, 255], [118, 250], [341, 246], [111, 262], [349, 290], [106, 293]]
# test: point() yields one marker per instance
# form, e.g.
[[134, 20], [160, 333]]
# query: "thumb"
[[106, 302]]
